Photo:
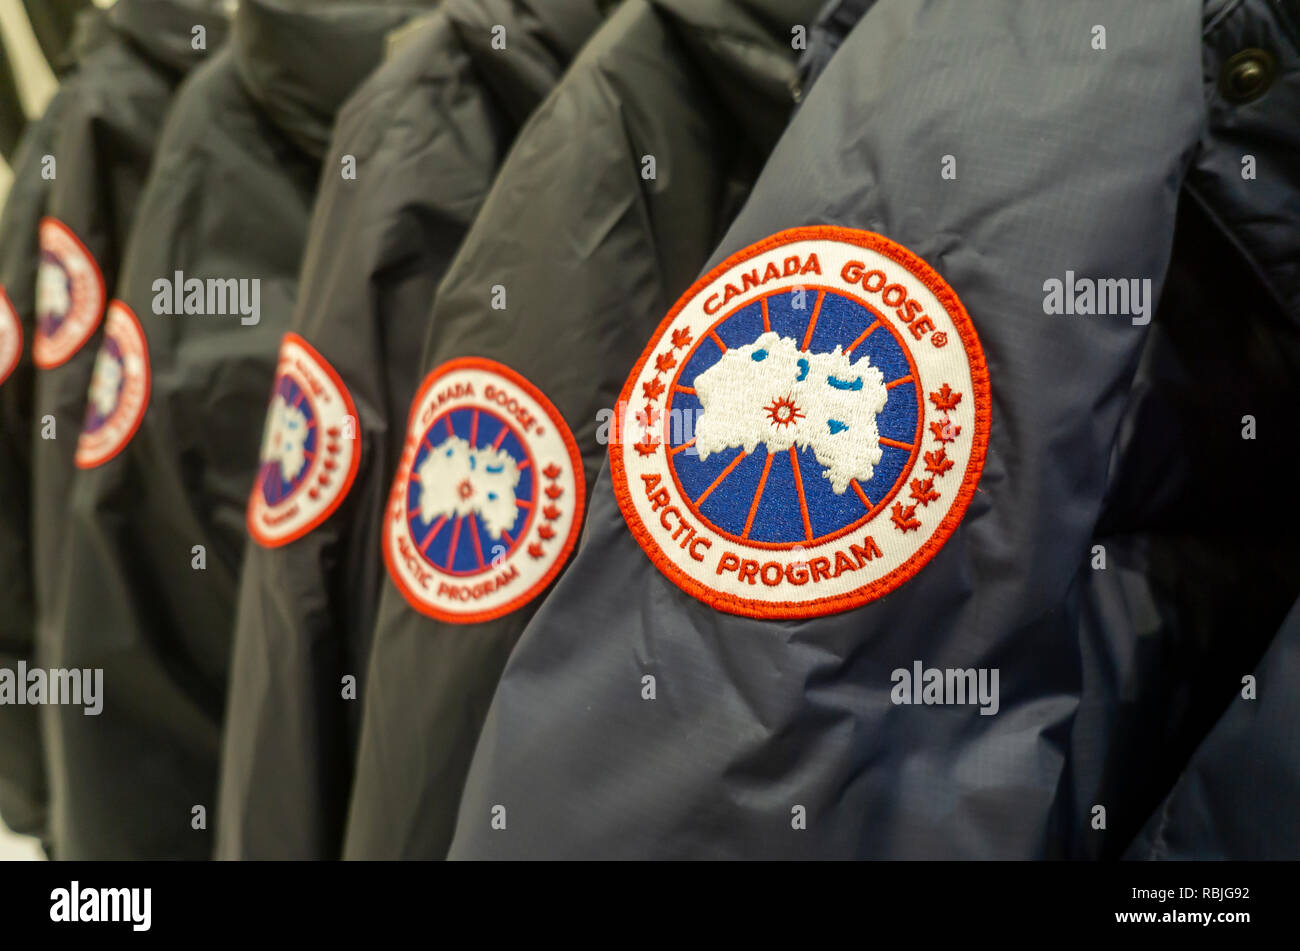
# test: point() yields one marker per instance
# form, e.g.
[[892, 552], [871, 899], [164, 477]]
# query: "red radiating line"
[[478, 545], [767, 323], [501, 437], [862, 495], [510, 542], [798, 485], [427, 443], [900, 380], [428, 539], [718, 340], [722, 475], [753, 508], [523, 504], [473, 430], [686, 445], [684, 389], [865, 334], [450, 431], [525, 464], [311, 424], [885, 441], [455, 536], [812, 323]]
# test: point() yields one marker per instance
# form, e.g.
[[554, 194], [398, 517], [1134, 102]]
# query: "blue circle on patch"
[[294, 432], [785, 499], [466, 543]]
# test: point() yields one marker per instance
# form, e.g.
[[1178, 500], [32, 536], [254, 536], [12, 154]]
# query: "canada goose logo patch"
[[69, 296], [310, 447], [803, 433], [119, 389], [11, 336], [488, 497]]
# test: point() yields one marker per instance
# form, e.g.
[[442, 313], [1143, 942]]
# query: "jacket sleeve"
[[377, 247], [590, 254], [1058, 168], [22, 774]]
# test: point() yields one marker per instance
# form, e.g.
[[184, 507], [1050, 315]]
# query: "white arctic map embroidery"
[[455, 479], [52, 290], [105, 379], [773, 393], [286, 438]]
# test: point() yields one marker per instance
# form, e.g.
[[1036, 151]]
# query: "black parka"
[[22, 777], [427, 133], [607, 205], [81, 177], [155, 529]]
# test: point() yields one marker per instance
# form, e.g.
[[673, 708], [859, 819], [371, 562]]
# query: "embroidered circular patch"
[[69, 295], [310, 449], [119, 389], [806, 428], [11, 336], [488, 497]]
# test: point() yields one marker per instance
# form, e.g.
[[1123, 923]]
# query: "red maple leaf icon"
[[552, 471], [646, 446], [652, 390], [904, 517], [945, 399], [944, 430], [551, 512], [648, 417], [545, 532], [681, 337], [665, 362], [553, 492], [937, 462], [923, 491], [536, 550]]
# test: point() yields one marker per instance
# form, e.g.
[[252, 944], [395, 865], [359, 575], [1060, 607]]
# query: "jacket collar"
[[548, 33], [744, 48], [300, 59], [164, 29]]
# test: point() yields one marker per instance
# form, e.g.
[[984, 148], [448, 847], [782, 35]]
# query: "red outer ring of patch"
[[103, 296], [922, 271], [266, 541], [18, 326], [877, 508], [579, 481], [144, 403]]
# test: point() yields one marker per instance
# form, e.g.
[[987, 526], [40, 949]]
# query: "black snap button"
[[1247, 75]]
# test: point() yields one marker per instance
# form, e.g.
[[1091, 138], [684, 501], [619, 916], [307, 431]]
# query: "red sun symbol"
[[783, 411], [466, 489]]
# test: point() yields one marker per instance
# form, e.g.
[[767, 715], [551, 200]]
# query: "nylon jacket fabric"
[[1237, 798], [22, 774], [99, 131], [155, 533], [1059, 167], [427, 133], [12, 118], [590, 252], [54, 22]]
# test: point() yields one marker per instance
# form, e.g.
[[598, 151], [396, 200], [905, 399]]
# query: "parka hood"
[[166, 29], [280, 44]]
